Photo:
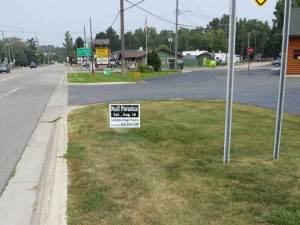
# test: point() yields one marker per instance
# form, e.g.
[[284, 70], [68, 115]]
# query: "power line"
[[196, 6], [113, 23], [159, 17], [118, 14], [135, 4]]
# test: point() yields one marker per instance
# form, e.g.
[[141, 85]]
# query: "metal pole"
[[146, 41], [122, 38], [13, 54], [230, 80], [2, 31], [176, 34], [285, 45], [9, 55], [92, 58], [84, 33], [248, 52]]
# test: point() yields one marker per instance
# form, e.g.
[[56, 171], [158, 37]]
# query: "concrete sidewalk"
[[37, 193]]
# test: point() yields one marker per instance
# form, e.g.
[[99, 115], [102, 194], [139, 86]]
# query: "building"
[[196, 58], [223, 58], [167, 58], [133, 58], [293, 65]]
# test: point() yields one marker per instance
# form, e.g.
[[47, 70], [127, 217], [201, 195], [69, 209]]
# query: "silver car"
[[4, 68]]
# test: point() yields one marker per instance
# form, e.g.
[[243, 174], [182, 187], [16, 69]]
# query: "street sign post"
[[230, 81], [285, 43], [250, 51]]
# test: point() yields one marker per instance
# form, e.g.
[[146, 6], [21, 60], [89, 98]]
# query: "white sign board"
[[102, 61], [125, 116]]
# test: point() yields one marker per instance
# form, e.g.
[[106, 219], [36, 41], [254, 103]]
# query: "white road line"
[[10, 92]]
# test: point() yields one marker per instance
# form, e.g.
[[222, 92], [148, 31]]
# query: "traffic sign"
[[102, 52], [250, 51], [261, 2], [102, 55], [84, 52]]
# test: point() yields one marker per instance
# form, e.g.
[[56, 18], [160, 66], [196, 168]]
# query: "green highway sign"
[[84, 52]]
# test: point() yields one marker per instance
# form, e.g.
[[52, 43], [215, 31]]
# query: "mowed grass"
[[83, 77], [170, 171]]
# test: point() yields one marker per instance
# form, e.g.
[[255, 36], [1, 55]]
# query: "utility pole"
[[122, 38], [176, 35], [285, 45], [2, 31], [84, 35], [230, 81], [92, 58], [9, 55], [248, 52], [13, 54], [146, 29]]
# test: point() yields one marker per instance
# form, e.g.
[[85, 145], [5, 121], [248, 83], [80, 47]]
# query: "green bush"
[[154, 61], [143, 68]]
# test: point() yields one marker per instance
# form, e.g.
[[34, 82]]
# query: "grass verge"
[[170, 171], [114, 77]]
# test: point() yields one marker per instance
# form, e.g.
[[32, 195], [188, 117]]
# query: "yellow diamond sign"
[[261, 2]]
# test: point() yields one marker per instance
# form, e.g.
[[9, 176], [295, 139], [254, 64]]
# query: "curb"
[[100, 84]]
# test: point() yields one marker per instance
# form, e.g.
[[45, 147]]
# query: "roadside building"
[[196, 58], [293, 66], [223, 58], [167, 58], [133, 58]]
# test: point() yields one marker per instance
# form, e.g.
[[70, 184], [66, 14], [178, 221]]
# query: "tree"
[[154, 60], [276, 33], [68, 44], [79, 43], [101, 35], [19, 48], [114, 39], [31, 51]]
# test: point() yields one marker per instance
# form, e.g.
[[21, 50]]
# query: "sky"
[[48, 20]]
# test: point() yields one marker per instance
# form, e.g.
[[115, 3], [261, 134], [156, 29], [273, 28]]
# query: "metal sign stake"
[[285, 44], [230, 80]]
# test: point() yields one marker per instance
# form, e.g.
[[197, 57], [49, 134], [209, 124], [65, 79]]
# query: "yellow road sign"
[[261, 2], [102, 52]]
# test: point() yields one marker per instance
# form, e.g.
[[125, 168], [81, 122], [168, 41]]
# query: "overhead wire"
[[159, 17], [118, 14]]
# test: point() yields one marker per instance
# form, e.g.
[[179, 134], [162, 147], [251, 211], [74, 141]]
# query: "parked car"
[[4, 68], [276, 62], [33, 65]]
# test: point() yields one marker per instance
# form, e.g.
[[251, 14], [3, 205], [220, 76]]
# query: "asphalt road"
[[258, 87], [23, 96]]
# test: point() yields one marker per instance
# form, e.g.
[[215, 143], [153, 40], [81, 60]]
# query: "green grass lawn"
[[170, 171], [115, 77]]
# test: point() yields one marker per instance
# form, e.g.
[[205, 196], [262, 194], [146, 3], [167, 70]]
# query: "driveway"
[[258, 87]]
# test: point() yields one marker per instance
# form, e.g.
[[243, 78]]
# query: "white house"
[[221, 57], [194, 53]]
